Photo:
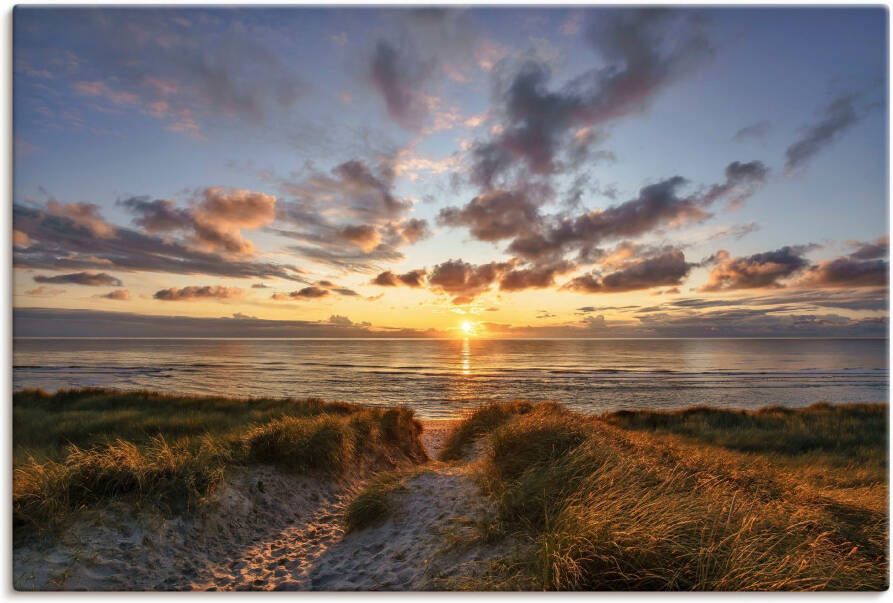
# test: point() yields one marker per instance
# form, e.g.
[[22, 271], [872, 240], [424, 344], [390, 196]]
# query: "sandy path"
[[435, 434], [266, 530]]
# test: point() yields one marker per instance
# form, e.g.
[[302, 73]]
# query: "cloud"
[[840, 115], [870, 299], [657, 205], [761, 270], [216, 69], [349, 217], [494, 215], [665, 269], [82, 214], [872, 250], [117, 295], [754, 131], [260, 286], [465, 281], [44, 291], [397, 77], [405, 66], [193, 293], [213, 221], [413, 278], [20, 239], [363, 236], [312, 292], [91, 279], [847, 272], [64, 241], [534, 277], [642, 51]]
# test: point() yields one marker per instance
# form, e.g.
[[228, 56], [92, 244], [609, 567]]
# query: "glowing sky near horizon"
[[515, 171]]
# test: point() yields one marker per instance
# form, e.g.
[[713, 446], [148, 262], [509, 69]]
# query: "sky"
[[492, 172]]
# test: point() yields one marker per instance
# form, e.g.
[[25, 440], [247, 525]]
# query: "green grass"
[[698, 500], [163, 457]]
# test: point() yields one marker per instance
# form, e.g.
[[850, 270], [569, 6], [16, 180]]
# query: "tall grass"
[[481, 421], [174, 465], [612, 509]]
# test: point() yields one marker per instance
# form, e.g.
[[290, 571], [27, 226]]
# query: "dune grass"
[[722, 507], [45, 425], [88, 460], [373, 504], [481, 421]]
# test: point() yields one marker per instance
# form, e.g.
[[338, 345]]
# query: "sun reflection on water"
[[466, 357]]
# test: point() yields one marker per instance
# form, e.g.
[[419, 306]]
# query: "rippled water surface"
[[438, 377]]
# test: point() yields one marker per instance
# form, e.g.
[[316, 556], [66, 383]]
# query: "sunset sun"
[[467, 328]]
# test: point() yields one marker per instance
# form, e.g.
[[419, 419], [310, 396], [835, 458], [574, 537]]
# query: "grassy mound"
[[173, 465], [645, 509], [481, 421], [373, 503]]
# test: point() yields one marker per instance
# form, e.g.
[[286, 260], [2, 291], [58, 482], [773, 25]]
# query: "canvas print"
[[484, 298]]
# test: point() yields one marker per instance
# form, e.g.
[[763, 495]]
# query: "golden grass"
[[173, 472], [617, 509], [373, 503]]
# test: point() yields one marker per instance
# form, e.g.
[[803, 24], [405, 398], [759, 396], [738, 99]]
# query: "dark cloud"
[[871, 299], [349, 217], [465, 281], [737, 231], [657, 205], [117, 295], [873, 250], [534, 277], [413, 278], [91, 279], [495, 215], [847, 272], [159, 215], [260, 286], [756, 130], [193, 293], [61, 241], [642, 51], [404, 66], [840, 115], [312, 292], [414, 230], [741, 181], [214, 220], [397, 76], [761, 270], [666, 269]]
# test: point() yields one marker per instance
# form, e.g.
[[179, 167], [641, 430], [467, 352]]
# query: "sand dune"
[[268, 530]]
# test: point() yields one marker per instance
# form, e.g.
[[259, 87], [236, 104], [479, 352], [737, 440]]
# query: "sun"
[[467, 328]]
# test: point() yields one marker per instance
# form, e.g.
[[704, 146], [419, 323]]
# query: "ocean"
[[441, 378]]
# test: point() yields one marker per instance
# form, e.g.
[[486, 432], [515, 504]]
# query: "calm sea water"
[[438, 378]]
